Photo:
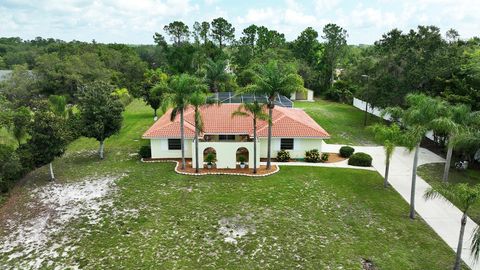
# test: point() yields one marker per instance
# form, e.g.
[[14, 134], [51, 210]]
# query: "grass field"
[[433, 174], [120, 213], [343, 122]]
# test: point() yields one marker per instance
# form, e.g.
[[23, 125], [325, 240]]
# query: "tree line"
[[419, 61]]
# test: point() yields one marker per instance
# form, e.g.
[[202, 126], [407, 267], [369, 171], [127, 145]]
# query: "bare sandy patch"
[[36, 243]]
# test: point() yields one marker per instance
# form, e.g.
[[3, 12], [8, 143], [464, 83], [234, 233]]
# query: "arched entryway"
[[242, 156], [209, 156]]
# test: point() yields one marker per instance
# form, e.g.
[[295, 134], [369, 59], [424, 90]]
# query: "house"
[[306, 96], [229, 137]]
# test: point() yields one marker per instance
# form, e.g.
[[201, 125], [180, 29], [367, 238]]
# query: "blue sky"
[[135, 21]]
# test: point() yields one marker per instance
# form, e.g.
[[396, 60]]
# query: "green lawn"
[[312, 218], [433, 174], [343, 122]]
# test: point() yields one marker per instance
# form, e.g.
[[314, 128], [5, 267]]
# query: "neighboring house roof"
[[217, 119], [4, 74]]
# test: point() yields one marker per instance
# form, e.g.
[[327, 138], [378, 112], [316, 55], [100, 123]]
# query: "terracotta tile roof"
[[287, 122]]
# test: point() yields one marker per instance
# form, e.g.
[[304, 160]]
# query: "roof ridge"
[[305, 123], [282, 115]]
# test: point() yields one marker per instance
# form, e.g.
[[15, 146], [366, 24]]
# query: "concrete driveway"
[[442, 216]]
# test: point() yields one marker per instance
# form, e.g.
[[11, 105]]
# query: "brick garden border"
[[277, 169]]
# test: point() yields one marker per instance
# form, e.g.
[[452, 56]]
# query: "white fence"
[[360, 104]]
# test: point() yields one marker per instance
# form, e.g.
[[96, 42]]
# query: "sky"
[[135, 21]]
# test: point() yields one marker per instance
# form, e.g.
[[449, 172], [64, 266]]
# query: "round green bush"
[[346, 151], [283, 156], [325, 157], [360, 159], [145, 151], [312, 156]]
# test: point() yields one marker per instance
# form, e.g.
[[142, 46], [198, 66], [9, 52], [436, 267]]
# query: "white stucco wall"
[[160, 149], [300, 145], [308, 96], [226, 153]]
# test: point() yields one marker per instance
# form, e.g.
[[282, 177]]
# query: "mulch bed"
[[334, 157], [260, 171]]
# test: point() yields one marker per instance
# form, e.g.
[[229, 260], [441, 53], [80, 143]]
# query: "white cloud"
[[135, 21], [322, 6], [257, 16]]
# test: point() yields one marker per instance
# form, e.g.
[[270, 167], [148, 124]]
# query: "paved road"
[[442, 216]]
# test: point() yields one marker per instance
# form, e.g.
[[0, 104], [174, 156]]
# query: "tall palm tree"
[[272, 80], [215, 74], [177, 94], [464, 197], [459, 119], [391, 136], [197, 100], [418, 119], [254, 110]]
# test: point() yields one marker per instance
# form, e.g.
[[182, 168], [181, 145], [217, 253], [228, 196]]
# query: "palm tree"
[[273, 80], [391, 136], [418, 119], [197, 100], [459, 119], [256, 112], [464, 197], [177, 94], [215, 74]]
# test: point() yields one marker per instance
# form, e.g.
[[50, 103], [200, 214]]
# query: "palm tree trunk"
[[387, 168], [196, 142], [458, 258], [414, 179], [100, 150], [269, 139], [52, 176], [447, 162], [182, 139], [254, 145]]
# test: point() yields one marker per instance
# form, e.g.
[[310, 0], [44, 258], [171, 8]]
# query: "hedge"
[[346, 151], [360, 159], [283, 156]]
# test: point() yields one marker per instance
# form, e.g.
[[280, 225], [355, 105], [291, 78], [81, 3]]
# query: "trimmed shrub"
[[283, 156], [346, 151], [145, 151], [360, 159], [324, 157], [312, 156], [210, 158]]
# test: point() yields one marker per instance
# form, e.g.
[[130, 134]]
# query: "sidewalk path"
[[442, 216]]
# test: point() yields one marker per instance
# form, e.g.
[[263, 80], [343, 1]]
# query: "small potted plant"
[[210, 159], [242, 159]]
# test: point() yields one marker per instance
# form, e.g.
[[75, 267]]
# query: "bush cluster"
[[341, 91], [325, 157], [360, 159], [346, 151], [145, 151], [283, 156], [313, 156]]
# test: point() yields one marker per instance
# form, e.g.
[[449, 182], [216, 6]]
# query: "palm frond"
[[475, 243]]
